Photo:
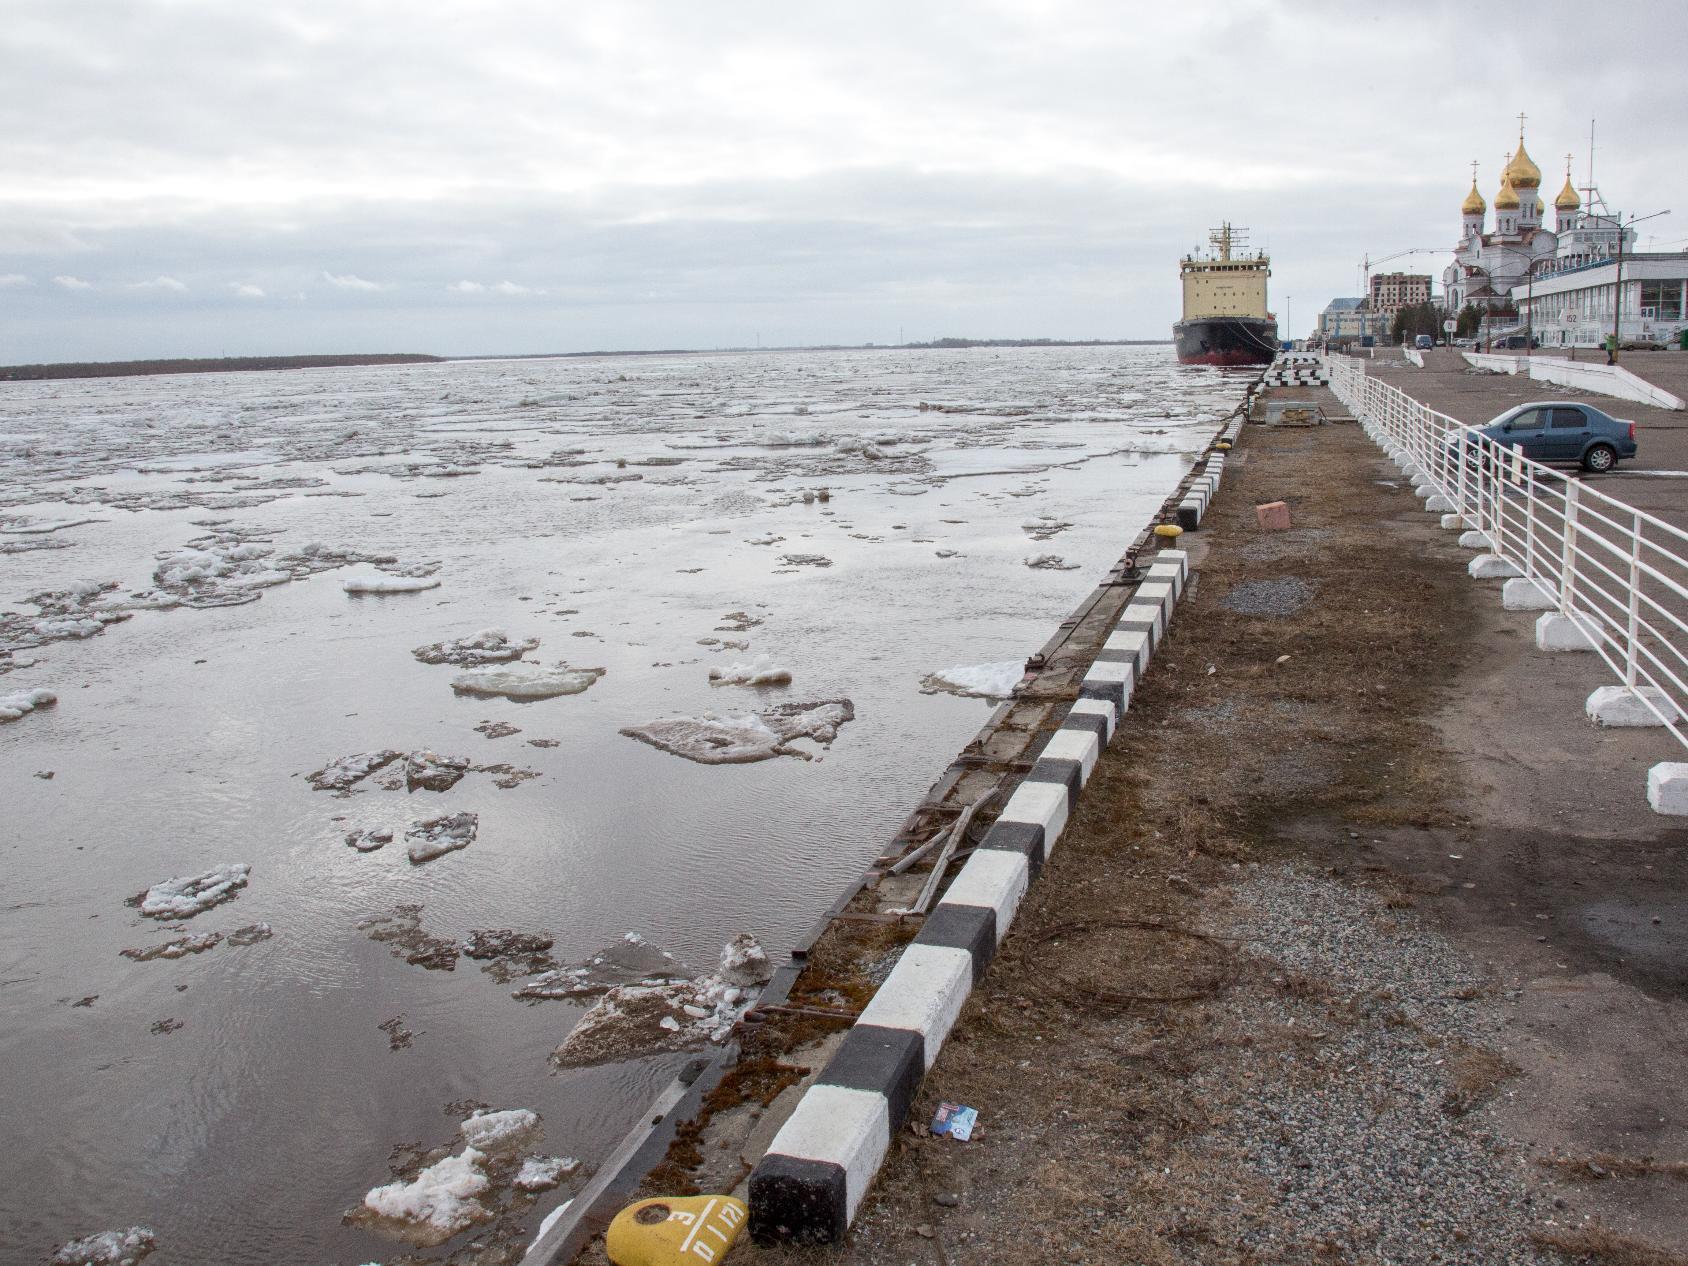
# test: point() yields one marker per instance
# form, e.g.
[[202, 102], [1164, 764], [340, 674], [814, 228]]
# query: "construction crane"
[[1366, 264]]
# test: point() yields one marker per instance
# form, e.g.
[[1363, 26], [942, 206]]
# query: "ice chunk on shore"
[[526, 681], [505, 1131], [744, 963], [182, 898], [541, 1173], [761, 671], [436, 837], [389, 584], [108, 1248], [489, 646], [979, 681], [437, 1204], [14, 705]]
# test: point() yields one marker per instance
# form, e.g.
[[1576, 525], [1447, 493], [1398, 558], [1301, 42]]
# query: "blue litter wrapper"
[[955, 1120]]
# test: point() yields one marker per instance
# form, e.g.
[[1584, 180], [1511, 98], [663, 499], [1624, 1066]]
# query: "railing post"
[[1531, 486], [1630, 656], [1568, 558]]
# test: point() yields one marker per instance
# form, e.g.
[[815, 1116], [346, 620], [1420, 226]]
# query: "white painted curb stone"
[[1620, 706], [1527, 595]]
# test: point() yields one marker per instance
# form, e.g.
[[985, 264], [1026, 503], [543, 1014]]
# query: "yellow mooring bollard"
[[1223, 446], [1168, 531], [667, 1232]]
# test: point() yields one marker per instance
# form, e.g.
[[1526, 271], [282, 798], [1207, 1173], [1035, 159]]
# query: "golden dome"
[[1523, 173], [1567, 199], [1507, 198], [1474, 204]]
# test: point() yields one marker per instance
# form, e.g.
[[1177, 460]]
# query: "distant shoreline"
[[202, 365], [243, 364]]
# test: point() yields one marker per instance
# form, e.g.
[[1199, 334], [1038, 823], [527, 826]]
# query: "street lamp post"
[[1618, 283]]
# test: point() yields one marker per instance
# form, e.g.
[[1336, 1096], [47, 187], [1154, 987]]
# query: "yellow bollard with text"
[[667, 1232]]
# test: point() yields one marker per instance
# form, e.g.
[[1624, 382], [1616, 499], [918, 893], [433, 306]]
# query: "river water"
[[238, 1101]]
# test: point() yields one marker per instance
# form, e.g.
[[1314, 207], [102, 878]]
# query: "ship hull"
[[1225, 341]]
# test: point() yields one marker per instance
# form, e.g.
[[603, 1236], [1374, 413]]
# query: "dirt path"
[[1362, 946]]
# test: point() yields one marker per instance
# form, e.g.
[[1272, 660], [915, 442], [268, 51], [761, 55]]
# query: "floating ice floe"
[[108, 1248], [761, 671], [982, 681], [429, 771], [495, 1132], [630, 960], [489, 646], [435, 1205], [718, 740], [1044, 527], [16, 704], [435, 837], [541, 1173], [805, 560], [342, 774], [389, 584], [182, 898], [401, 931], [525, 682], [638, 1019], [368, 839], [79, 611], [1050, 562], [182, 946]]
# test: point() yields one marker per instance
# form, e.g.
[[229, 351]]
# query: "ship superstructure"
[[1225, 317]]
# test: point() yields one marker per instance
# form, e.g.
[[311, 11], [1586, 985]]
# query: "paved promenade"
[[1362, 947], [1656, 481]]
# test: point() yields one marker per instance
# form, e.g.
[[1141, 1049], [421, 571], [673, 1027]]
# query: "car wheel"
[[1600, 458]]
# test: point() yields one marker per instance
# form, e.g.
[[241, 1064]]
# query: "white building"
[[1573, 307]]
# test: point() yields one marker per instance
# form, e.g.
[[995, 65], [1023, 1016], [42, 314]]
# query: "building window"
[[1663, 298]]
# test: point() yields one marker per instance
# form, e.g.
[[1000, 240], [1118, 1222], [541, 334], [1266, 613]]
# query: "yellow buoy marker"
[[1168, 531], [1224, 446], [668, 1231]]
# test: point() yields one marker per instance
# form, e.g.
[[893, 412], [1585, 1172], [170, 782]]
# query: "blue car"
[[1558, 431]]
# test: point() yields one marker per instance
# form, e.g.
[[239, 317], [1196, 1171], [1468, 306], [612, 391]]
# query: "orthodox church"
[[1488, 265]]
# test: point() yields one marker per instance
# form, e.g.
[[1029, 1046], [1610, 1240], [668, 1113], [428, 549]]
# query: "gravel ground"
[[1373, 1165], [1284, 595]]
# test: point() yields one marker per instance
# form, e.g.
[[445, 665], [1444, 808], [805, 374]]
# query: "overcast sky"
[[211, 177]]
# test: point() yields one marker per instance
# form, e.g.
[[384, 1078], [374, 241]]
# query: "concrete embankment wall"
[[817, 1169], [1606, 380]]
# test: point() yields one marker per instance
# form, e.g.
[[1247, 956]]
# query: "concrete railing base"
[[1557, 632], [1453, 522], [1614, 706], [1667, 788], [1522, 594], [1474, 540], [1493, 567]]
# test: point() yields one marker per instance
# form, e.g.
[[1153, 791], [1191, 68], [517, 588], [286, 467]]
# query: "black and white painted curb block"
[[1202, 490], [810, 1183]]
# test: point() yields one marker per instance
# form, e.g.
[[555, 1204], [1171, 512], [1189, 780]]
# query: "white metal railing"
[[1618, 573]]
